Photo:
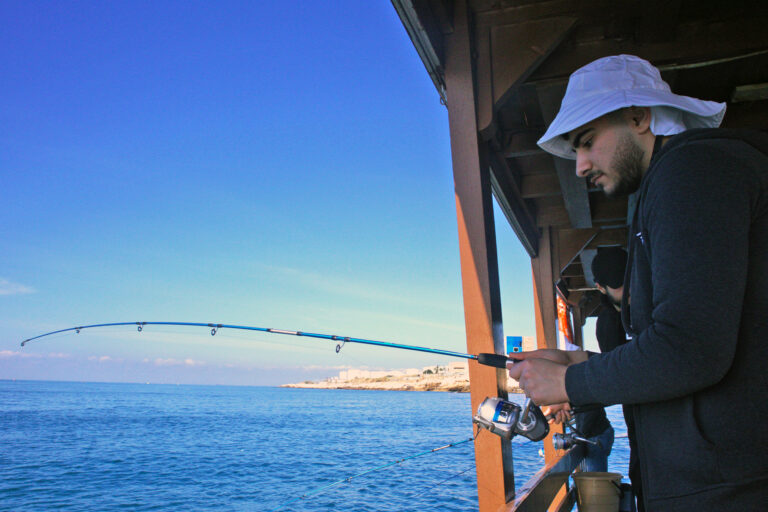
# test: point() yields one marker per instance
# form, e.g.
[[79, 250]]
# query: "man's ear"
[[639, 118]]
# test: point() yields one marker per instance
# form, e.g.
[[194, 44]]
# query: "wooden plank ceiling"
[[524, 52]]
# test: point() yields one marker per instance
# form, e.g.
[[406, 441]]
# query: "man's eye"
[[587, 143]]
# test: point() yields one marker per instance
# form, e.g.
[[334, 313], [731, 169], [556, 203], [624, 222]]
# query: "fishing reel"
[[566, 441], [507, 419]]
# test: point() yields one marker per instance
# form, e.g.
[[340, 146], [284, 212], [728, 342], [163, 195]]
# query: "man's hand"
[[556, 356], [560, 412], [542, 380]]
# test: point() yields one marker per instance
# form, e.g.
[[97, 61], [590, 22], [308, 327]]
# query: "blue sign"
[[514, 344]]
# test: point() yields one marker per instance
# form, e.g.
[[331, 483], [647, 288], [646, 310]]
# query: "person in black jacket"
[[695, 370], [608, 268]]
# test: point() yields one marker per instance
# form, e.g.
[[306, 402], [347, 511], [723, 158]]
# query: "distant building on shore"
[[520, 344], [454, 369]]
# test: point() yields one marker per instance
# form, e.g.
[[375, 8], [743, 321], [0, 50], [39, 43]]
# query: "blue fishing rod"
[[494, 360], [497, 415]]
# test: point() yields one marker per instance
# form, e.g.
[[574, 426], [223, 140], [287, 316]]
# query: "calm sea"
[[88, 446]]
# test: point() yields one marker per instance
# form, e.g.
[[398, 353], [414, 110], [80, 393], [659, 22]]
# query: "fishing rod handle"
[[495, 360]]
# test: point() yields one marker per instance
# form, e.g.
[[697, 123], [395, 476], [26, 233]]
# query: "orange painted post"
[[545, 310], [479, 266]]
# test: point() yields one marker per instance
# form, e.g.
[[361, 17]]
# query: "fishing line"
[[441, 482], [496, 360], [367, 471]]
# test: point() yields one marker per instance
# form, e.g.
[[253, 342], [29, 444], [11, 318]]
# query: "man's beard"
[[627, 164]]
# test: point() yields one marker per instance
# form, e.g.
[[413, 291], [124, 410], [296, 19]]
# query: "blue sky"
[[272, 164]]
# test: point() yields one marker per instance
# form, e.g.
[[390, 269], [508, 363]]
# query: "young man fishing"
[[695, 371]]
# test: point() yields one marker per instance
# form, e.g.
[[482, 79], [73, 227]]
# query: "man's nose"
[[583, 165]]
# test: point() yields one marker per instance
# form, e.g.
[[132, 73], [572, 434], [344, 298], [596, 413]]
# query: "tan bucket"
[[598, 492]]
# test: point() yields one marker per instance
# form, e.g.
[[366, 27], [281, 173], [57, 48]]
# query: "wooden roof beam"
[[506, 56], [550, 211], [424, 39], [522, 144], [490, 13], [519, 48], [571, 242], [539, 185], [535, 164], [739, 37]]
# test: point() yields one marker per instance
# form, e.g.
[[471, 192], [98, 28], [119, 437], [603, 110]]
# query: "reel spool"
[[507, 419]]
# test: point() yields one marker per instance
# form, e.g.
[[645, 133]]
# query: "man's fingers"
[[515, 369], [519, 356], [543, 381]]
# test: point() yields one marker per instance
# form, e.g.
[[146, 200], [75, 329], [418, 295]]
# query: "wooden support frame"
[[546, 267], [479, 265], [544, 491]]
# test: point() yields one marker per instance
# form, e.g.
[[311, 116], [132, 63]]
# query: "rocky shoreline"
[[401, 383]]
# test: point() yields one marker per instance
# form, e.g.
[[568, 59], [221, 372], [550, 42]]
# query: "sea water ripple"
[[94, 446]]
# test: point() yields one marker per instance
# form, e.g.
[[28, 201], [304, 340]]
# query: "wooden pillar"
[[479, 266], [545, 267], [544, 307], [579, 315], [545, 310]]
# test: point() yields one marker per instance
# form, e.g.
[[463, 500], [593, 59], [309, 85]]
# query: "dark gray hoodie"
[[696, 370]]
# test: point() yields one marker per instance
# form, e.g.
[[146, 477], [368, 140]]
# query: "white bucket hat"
[[619, 81]]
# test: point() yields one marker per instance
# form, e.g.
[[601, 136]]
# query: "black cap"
[[608, 266]]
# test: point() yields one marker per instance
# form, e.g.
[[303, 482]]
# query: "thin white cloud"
[[175, 362], [9, 288], [102, 359], [11, 354]]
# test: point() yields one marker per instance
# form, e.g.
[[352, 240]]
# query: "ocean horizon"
[[108, 446]]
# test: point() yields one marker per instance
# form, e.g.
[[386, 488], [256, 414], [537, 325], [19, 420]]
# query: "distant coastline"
[[432, 383], [450, 378]]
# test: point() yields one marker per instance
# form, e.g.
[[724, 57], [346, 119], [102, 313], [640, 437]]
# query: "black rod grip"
[[494, 360]]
